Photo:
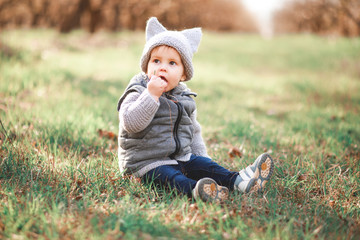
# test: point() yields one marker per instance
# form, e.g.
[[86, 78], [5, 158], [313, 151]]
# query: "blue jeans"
[[184, 176]]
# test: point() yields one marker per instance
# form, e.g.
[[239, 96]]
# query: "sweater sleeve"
[[198, 145], [137, 111]]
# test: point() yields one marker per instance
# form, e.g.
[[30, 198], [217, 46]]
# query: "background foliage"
[[92, 15], [330, 17], [334, 17]]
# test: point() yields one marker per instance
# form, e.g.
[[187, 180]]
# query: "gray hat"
[[185, 42]]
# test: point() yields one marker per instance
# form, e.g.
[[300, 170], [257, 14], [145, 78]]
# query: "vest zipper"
[[175, 131]]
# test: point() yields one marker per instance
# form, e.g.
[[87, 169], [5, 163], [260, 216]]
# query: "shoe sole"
[[210, 191], [263, 173]]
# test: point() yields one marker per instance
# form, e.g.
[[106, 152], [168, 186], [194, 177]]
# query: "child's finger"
[[153, 78], [163, 82]]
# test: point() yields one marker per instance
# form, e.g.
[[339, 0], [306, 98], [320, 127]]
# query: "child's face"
[[165, 62]]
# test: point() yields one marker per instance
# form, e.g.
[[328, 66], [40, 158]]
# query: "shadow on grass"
[[35, 186]]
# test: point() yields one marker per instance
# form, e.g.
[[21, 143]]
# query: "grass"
[[296, 96]]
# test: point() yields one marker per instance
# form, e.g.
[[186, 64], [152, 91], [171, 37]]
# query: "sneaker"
[[209, 191], [245, 181], [254, 177]]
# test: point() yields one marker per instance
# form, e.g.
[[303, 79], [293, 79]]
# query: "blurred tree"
[[350, 8], [340, 17], [218, 15]]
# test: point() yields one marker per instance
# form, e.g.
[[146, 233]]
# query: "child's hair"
[[186, 42]]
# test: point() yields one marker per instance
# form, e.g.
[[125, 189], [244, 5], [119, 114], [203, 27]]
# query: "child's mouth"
[[163, 78]]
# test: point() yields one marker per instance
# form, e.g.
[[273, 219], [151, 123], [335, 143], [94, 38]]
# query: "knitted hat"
[[185, 42]]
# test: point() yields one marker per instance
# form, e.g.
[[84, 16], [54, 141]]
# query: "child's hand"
[[156, 86]]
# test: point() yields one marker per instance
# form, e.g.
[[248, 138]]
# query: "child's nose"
[[162, 68]]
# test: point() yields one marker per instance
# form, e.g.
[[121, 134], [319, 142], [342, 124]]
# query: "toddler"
[[159, 137]]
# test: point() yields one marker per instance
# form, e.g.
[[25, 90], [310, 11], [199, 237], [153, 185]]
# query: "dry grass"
[[59, 177]]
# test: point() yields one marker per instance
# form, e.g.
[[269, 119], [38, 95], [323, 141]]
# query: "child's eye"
[[156, 61], [172, 63]]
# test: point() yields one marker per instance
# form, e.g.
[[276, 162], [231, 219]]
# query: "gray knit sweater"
[[148, 132]]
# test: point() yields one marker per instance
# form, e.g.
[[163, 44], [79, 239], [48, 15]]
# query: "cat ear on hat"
[[153, 27], [194, 36]]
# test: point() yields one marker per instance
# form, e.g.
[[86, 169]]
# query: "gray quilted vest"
[[167, 138]]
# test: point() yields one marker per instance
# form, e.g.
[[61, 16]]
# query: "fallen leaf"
[[79, 182], [333, 118], [2, 226], [107, 134], [234, 152], [79, 197], [302, 177]]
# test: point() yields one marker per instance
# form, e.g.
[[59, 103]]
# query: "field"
[[295, 96]]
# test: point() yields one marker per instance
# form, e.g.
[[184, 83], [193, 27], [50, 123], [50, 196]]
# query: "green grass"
[[296, 96]]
